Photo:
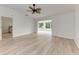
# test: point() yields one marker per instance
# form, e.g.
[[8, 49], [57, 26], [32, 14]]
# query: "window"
[[41, 25], [44, 25], [48, 25]]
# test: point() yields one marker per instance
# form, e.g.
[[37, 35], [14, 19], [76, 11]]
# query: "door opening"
[[7, 25]]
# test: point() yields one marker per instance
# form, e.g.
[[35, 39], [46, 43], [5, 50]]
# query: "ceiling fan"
[[34, 10]]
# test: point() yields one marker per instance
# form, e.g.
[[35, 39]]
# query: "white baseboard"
[[22, 35], [77, 42], [63, 37]]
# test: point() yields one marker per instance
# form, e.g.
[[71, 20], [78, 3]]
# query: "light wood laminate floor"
[[38, 44], [6, 35]]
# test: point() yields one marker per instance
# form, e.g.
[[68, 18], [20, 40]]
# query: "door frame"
[[2, 25]]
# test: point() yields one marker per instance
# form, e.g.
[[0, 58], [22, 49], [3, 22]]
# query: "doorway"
[[7, 25], [44, 27]]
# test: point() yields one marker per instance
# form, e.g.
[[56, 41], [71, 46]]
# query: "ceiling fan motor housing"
[[33, 4]]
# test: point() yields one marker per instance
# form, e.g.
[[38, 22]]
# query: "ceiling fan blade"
[[38, 9], [39, 12], [33, 12], [30, 7], [28, 10]]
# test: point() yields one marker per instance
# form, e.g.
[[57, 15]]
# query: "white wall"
[[63, 25], [0, 31], [77, 25], [21, 24], [35, 26]]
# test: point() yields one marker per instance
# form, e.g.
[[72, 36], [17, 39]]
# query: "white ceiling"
[[47, 9]]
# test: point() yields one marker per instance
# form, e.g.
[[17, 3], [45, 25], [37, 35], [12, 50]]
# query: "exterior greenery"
[[44, 25]]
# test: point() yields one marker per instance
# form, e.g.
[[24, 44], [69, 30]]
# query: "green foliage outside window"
[[41, 25], [47, 25], [44, 25]]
